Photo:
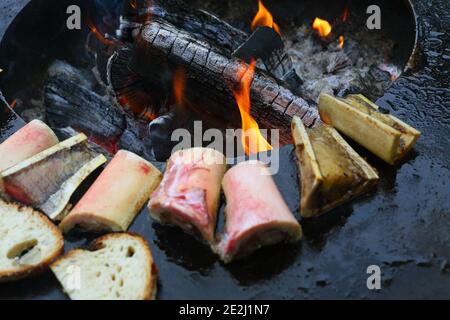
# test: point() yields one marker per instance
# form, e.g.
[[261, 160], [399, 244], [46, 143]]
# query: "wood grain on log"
[[70, 105], [210, 73], [202, 24]]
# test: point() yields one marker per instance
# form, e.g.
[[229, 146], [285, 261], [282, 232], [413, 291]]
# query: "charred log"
[[136, 138], [202, 24], [161, 48], [70, 105]]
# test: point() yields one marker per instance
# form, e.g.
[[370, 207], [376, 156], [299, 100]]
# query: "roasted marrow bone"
[[189, 193], [256, 213], [358, 118], [116, 197], [47, 180], [331, 172], [33, 138]]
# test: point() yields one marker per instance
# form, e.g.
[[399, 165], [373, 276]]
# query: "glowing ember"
[[133, 4], [150, 116], [179, 84], [13, 104], [341, 42], [322, 26], [134, 104], [264, 18], [252, 139], [100, 37], [345, 15]]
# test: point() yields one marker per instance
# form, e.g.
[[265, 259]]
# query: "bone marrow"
[[116, 197], [47, 180], [30, 140], [331, 172], [189, 193], [256, 213], [357, 117]]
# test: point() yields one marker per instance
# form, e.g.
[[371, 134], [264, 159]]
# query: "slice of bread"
[[117, 266], [29, 242]]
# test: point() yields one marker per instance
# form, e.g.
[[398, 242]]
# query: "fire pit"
[[85, 81]]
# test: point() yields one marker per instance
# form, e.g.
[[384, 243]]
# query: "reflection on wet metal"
[[10, 122]]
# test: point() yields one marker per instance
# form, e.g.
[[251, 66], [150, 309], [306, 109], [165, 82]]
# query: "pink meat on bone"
[[256, 213], [189, 193], [33, 138]]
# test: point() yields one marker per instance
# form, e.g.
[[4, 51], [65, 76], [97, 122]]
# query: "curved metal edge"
[[412, 63]]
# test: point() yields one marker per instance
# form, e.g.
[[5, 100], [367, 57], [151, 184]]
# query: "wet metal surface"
[[9, 121], [402, 226]]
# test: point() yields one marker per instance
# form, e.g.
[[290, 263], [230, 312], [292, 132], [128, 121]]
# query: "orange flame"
[[322, 26], [264, 18], [341, 42], [252, 139], [179, 84], [100, 37]]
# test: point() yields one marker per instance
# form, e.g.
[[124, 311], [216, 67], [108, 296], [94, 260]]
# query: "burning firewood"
[[47, 180], [33, 138], [189, 193], [116, 197], [201, 23], [357, 117], [162, 48], [256, 213], [331, 172]]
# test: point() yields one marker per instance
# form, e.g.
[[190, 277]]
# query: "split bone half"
[[358, 118], [47, 180], [331, 172]]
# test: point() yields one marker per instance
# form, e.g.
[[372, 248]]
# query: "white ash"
[[361, 66], [82, 77]]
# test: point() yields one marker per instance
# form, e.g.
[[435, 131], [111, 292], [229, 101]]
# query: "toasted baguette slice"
[[117, 266], [29, 242]]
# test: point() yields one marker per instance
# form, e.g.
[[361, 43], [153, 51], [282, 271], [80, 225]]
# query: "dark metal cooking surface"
[[402, 226]]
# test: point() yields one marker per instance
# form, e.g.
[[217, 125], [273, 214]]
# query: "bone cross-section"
[[256, 213], [189, 193], [116, 197], [33, 138]]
